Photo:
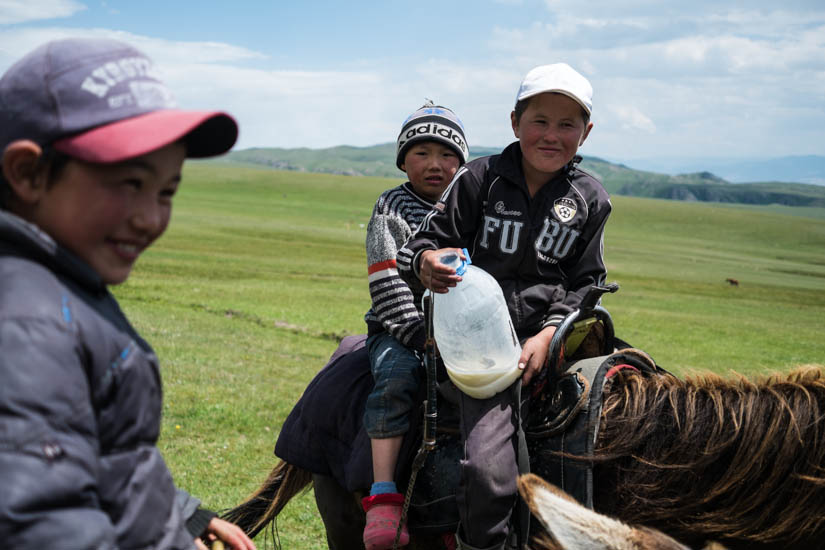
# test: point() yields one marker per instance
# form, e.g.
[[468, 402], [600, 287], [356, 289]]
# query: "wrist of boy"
[[416, 262], [199, 521]]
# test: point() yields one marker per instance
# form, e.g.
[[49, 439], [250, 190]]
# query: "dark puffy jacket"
[[80, 406], [545, 251]]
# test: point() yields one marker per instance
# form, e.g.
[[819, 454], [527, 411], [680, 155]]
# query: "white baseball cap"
[[559, 78]]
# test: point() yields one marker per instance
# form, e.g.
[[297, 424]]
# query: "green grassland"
[[262, 271]]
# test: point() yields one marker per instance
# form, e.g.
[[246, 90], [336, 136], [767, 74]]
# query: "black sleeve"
[[453, 222], [199, 521]]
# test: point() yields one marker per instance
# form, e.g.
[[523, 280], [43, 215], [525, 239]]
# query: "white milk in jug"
[[474, 333]]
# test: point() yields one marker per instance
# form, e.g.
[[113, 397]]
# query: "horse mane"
[[715, 458]]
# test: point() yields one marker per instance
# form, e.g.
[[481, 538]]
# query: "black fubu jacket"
[[545, 251]]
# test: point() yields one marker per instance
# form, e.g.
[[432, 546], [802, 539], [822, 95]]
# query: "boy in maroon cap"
[[92, 148]]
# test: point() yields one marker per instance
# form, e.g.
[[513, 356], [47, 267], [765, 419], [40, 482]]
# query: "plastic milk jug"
[[474, 332]]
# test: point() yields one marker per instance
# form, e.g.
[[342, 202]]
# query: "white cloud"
[[15, 43], [668, 79], [174, 52], [633, 119], [274, 108], [714, 79], [21, 11], [287, 108]]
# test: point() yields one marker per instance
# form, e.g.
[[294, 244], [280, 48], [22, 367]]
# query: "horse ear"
[[575, 527], [572, 525]]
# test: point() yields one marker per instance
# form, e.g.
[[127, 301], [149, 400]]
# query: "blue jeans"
[[397, 373]]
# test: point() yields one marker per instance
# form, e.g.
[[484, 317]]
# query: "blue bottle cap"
[[453, 260]]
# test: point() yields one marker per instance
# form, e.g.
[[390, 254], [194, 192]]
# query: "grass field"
[[262, 271]]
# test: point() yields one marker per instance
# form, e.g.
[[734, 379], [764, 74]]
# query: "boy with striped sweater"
[[430, 149]]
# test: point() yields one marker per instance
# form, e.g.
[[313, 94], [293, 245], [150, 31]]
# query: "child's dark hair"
[[522, 105], [50, 160]]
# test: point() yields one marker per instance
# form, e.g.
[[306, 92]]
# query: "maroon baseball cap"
[[102, 101]]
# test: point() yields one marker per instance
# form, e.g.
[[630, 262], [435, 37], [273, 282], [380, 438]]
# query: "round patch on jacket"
[[565, 209]]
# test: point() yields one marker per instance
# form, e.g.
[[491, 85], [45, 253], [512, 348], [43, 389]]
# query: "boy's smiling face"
[[550, 131], [430, 167], [109, 214]]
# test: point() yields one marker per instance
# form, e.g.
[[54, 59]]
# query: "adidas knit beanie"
[[432, 123]]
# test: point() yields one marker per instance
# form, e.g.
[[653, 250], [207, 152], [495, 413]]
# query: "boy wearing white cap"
[[430, 149], [535, 221], [92, 147]]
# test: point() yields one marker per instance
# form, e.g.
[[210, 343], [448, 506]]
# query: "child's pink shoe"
[[383, 516]]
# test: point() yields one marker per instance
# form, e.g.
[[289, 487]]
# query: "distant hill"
[[797, 168], [701, 186], [618, 179], [378, 160]]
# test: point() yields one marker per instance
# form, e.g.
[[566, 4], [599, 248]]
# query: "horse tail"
[[261, 507]]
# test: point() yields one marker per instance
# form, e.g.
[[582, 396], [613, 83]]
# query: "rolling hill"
[[618, 179], [798, 168]]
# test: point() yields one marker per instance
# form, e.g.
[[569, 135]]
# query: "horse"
[[705, 458]]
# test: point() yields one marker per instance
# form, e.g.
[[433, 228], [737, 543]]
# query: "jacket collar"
[[21, 238], [408, 186]]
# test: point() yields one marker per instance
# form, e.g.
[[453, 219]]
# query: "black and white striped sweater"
[[396, 307]]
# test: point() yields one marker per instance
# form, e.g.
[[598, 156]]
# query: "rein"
[[430, 416]]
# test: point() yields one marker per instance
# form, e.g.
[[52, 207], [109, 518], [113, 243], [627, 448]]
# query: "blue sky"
[[672, 79]]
